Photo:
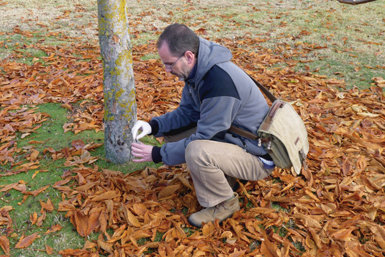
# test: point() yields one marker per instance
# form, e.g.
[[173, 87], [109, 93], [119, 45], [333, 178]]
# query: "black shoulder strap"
[[267, 93]]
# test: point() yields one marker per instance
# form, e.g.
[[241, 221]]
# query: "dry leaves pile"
[[335, 208], [13, 119]]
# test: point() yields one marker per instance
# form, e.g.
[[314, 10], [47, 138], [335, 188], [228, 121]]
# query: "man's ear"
[[190, 57]]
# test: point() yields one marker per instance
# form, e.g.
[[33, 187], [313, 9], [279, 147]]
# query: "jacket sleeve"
[[217, 115], [185, 115]]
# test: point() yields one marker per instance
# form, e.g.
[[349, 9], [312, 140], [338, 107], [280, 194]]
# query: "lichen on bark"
[[118, 79]]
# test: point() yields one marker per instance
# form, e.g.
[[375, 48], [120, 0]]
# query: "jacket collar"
[[191, 77]]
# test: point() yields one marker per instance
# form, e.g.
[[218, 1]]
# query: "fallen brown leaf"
[[24, 242], [4, 244]]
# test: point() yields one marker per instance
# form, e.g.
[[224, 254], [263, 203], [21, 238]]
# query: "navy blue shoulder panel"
[[217, 83]]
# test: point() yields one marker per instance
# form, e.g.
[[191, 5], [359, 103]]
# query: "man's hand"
[[143, 126], [141, 152]]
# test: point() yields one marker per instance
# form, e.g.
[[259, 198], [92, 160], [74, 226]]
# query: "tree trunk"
[[119, 87]]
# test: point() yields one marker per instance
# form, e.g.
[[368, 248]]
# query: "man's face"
[[176, 65]]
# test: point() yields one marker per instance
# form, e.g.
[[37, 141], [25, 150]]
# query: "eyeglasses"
[[170, 66]]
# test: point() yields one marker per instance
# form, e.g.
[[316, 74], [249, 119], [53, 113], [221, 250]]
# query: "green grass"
[[65, 238], [52, 132], [149, 57], [353, 37], [353, 41], [52, 135], [25, 48]]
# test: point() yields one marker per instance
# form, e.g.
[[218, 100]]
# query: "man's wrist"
[[155, 154], [154, 127]]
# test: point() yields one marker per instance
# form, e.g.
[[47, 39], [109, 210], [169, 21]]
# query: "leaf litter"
[[334, 208]]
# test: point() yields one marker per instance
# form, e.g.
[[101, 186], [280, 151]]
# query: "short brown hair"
[[179, 39]]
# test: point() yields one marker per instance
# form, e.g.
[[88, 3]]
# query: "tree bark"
[[118, 79]]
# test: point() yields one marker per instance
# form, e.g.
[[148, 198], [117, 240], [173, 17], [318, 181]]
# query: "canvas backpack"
[[282, 133]]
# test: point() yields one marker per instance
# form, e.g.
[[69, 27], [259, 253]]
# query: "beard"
[[182, 72], [181, 76]]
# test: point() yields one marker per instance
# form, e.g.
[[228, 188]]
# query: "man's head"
[[178, 49]]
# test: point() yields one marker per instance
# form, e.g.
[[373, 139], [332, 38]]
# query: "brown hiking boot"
[[221, 212]]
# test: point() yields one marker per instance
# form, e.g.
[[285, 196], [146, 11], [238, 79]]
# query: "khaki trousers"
[[211, 163]]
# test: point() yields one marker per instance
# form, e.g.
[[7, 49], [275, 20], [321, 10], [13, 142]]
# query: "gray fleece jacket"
[[216, 95]]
